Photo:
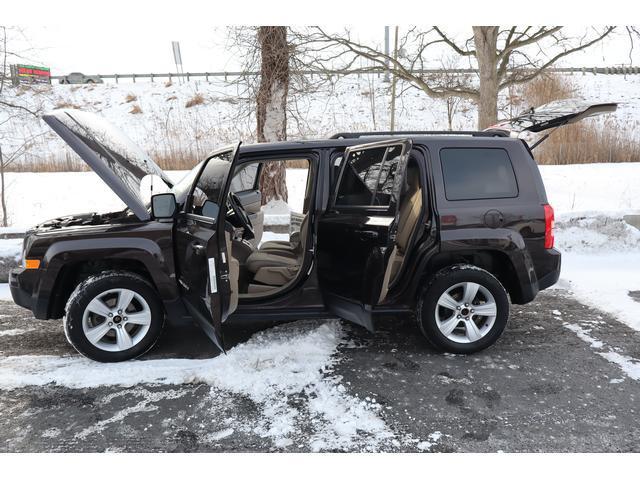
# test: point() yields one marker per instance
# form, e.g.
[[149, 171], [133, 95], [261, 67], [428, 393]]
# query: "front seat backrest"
[[410, 208]]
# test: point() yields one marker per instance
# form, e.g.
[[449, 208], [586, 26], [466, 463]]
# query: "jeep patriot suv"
[[447, 227]]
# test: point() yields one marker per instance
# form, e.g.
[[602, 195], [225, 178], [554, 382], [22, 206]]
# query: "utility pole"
[[393, 84], [386, 52]]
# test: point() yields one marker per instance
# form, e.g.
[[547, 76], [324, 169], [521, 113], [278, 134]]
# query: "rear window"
[[477, 173]]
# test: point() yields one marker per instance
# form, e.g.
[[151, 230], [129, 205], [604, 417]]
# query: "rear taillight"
[[549, 220]]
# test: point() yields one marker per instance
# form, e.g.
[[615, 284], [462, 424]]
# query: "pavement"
[[561, 379]]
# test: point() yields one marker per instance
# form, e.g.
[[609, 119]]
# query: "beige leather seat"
[[287, 248], [280, 263], [409, 214]]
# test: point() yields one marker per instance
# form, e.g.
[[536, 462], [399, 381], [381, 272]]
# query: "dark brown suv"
[[445, 227]]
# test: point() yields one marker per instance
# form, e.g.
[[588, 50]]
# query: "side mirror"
[[210, 209], [163, 206]]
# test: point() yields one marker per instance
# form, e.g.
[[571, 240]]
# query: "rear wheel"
[[463, 310], [113, 317]]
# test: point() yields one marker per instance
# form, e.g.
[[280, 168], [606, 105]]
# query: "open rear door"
[[553, 115], [357, 233], [207, 273]]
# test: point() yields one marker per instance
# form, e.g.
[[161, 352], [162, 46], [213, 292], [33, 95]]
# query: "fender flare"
[[141, 250]]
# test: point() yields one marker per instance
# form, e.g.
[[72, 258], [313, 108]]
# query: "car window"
[[477, 173], [210, 183], [245, 178], [369, 176]]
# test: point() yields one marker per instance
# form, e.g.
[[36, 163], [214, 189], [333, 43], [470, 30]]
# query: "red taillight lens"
[[549, 220]]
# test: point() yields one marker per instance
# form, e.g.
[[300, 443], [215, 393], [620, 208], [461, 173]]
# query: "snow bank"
[[35, 197], [293, 360], [601, 264], [596, 188]]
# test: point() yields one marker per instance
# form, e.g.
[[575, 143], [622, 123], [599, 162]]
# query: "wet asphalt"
[[541, 388]]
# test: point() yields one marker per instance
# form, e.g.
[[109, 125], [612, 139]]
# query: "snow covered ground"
[[601, 264], [294, 359], [165, 124]]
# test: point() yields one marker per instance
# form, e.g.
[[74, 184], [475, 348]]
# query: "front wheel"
[[463, 310], [113, 316]]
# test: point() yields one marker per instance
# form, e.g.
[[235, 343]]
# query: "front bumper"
[[23, 284]]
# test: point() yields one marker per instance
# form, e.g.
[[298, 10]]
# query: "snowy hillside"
[[157, 117]]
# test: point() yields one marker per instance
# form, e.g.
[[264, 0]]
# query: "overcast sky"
[[96, 49]]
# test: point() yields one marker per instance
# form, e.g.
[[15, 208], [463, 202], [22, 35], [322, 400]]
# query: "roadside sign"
[[30, 74]]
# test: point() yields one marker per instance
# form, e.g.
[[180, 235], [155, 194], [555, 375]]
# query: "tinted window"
[[369, 177], [476, 173]]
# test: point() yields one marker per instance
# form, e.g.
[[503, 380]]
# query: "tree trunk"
[[5, 222], [271, 106], [486, 45]]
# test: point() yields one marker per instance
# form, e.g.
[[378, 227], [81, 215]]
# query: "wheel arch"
[[74, 272], [498, 263]]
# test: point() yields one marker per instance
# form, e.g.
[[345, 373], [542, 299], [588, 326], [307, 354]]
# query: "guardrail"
[[623, 70]]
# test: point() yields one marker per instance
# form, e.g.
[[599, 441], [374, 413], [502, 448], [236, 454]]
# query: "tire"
[[445, 320], [90, 81], [105, 332]]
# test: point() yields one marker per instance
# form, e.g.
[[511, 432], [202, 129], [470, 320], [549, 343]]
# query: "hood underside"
[[119, 162]]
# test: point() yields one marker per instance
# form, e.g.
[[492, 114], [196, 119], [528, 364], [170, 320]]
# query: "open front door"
[[207, 273], [357, 233]]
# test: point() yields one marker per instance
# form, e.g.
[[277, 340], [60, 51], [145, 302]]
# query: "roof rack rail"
[[486, 133]]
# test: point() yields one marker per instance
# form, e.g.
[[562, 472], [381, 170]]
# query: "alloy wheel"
[[116, 320], [466, 312]]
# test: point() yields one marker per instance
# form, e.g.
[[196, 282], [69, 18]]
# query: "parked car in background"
[[445, 227], [77, 77]]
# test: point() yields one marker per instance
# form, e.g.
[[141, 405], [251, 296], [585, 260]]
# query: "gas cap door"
[[494, 219]]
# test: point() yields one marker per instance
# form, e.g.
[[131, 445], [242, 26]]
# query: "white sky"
[[134, 36], [93, 49]]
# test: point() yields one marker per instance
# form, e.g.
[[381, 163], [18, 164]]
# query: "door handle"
[[368, 235], [198, 249]]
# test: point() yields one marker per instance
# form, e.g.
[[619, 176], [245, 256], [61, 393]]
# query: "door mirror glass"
[[210, 209], [163, 206]]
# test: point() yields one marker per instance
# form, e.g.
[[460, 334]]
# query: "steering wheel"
[[241, 215]]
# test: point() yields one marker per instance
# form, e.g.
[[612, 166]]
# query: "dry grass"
[[130, 98], [589, 141], [296, 163], [67, 105], [197, 99], [135, 109], [547, 88]]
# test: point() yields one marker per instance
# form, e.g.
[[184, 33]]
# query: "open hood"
[[109, 152], [554, 114]]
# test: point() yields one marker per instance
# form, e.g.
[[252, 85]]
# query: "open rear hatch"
[[119, 162], [553, 115]]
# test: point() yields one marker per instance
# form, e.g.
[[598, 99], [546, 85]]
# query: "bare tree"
[[11, 110], [271, 106], [448, 78], [491, 50]]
